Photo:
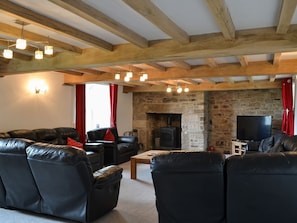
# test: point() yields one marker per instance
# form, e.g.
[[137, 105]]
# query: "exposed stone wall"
[[192, 106], [224, 106], [208, 118]]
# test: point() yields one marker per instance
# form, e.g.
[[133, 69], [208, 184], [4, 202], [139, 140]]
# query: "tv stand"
[[238, 147]]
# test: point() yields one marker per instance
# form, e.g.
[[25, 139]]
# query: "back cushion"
[[46, 135], [23, 133], [65, 132]]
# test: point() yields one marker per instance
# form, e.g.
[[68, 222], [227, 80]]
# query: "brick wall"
[[224, 106]]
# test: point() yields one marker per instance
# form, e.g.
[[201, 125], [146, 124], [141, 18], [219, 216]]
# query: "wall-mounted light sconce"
[[38, 86]]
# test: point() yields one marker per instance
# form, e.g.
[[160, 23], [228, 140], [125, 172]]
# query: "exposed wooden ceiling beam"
[[151, 12], [182, 64], [286, 15], [249, 42], [211, 62], [91, 14], [272, 78], [212, 87], [243, 60], [276, 58], [202, 72], [221, 14], [91, 71], [71, 72], [156, 66], [17, 11]]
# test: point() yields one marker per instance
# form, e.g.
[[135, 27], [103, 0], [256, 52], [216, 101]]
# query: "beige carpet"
[[136, 203]]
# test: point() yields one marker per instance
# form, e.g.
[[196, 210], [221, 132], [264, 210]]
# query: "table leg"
[[133, 169]]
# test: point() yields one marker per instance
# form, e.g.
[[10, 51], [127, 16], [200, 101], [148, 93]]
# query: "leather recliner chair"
[[19, 189], [261, 188], [189, 187], [118, 150], [75, 193]]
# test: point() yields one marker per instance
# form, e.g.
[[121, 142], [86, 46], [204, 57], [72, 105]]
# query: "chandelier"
[[21, 44]]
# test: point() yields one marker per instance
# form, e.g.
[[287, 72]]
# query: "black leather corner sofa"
[[55, 180], [58, 136], [117, 149], [207, 187]]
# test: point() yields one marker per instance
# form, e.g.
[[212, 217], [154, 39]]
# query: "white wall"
[[124, 111], [20, 108]]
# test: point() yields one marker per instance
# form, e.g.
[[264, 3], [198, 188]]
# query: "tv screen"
[[253, 128]]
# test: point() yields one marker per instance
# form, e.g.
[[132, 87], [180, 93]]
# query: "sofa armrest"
[[95, 147], [127, 139], [108, 175]]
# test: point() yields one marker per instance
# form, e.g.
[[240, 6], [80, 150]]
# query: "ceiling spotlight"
[[179, 90]]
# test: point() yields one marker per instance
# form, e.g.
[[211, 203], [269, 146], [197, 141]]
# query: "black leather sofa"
[[117, 150], [55, 180], [58, 136], [205, 187]]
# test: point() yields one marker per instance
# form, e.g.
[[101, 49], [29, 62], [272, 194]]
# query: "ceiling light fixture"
[[21, 44], [48, 50], [117, 76], [7, 53], [38, 55], [168, 89]]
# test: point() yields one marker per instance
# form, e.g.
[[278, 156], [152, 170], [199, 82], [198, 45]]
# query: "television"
[[253, 128]]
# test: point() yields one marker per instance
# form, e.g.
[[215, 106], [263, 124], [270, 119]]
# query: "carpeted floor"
[[136, 203]]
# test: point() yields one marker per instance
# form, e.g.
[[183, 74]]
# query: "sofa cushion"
[[266, 144], [109, 135], [23, 133], [74, 143], [46, 135]]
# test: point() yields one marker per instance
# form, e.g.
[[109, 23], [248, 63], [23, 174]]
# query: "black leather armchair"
[[261, 187], [189, 187], [75, 193], [18, 186], [118, 150]]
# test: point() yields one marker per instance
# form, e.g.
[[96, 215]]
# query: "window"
[[97, 106]]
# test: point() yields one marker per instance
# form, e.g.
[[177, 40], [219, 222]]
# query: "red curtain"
[[288, 113], [113, 91], [81, 111]]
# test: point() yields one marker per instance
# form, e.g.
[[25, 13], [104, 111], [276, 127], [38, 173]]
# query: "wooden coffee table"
[[143, 158]]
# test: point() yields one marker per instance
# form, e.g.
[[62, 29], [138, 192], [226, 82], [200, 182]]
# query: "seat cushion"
[[125, 147]]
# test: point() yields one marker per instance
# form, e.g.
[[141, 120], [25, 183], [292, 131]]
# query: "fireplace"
[[170, 137], [165, 130]]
